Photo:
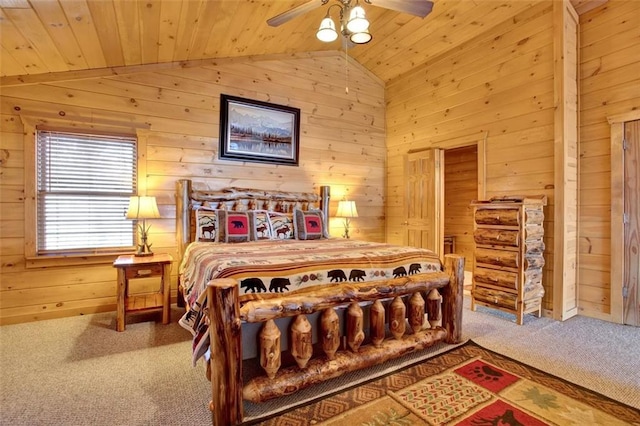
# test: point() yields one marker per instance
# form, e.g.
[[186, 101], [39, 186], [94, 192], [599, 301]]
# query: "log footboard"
[[436, 295]]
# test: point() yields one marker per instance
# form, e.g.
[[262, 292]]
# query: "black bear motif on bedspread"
[[279, 285], [400, 271], [414, 268], [357, 275], [337, 275], [255, 285]]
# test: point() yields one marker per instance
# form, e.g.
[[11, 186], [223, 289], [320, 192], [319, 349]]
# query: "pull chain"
[[346, 66]]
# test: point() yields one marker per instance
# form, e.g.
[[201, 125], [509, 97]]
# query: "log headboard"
[[239, 199]]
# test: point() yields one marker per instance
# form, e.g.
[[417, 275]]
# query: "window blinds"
[[84, 185]]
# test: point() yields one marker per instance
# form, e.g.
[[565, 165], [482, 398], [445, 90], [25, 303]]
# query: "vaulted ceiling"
[[49, 36]]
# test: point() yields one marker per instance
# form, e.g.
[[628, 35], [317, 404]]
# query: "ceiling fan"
[[350, 9]]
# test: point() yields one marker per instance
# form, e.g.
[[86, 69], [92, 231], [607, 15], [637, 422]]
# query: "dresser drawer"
[[509, 259], [500, 237], [497, 298], [496, 278], [506, 217]]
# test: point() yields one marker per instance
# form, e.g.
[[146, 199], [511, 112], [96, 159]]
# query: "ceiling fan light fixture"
[[357, 20], [361, 37], [327, 31]]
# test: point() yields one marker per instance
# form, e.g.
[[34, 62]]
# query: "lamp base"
[[346, 229], [144, 254], [144, 249]]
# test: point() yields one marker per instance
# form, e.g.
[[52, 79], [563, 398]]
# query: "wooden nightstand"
[[130, 266]]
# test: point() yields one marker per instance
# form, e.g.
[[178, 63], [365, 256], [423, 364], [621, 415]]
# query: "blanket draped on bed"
[[269, 268]]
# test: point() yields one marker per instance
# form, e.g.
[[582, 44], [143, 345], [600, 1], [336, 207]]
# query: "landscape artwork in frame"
[[258, 131]]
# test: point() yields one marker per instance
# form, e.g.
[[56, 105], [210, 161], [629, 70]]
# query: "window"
[[83, 187]]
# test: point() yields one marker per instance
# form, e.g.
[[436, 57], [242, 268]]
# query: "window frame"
[[31, 125]]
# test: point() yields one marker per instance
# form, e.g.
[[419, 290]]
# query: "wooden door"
[[631, 287], [424, 200]]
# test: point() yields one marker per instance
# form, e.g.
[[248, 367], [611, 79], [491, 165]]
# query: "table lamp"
[[347, 209], [143, 208]]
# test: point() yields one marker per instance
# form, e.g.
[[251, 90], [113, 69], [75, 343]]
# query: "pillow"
[[206, 225], [233, 227], [260, 225], [281, 225], [309, 225]]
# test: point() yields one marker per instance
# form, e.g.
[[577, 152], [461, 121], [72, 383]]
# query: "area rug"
[[468, 385]]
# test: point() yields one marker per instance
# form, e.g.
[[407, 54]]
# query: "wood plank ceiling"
[[53, 36]]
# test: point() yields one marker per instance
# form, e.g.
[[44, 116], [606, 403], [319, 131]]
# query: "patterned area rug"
[[468, 385]]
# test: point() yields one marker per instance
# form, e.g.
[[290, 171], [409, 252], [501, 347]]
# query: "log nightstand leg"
[[166, 293], [121, 296]]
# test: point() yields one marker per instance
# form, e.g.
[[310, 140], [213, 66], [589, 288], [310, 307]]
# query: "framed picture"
[[258, 131]]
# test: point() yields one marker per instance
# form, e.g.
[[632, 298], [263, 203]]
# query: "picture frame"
[[258, 132]]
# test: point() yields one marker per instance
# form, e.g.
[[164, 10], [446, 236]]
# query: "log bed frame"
[[361, 345]]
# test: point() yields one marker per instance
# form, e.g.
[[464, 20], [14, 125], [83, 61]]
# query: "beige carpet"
[[80, 371]]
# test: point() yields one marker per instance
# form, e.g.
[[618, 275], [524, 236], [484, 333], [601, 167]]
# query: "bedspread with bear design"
[[269, 268]]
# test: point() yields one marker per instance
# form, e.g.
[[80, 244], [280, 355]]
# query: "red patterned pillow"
[[309, 225], [234, 227]]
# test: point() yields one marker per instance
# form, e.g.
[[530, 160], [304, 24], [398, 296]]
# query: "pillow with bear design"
[[309, 225], [233, 227]]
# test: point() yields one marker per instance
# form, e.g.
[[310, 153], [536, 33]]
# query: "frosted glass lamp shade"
[[327, 31], [361, 37], [357, 21]]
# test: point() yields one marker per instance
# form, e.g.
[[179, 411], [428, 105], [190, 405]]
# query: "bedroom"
[[494, 85], [354, 142]]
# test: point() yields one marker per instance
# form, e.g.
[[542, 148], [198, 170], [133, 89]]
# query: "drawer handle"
[[495, 280], [498, 237], [144, 272]]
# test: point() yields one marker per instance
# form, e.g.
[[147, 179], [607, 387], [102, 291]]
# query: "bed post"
[[452, 298], [226, 349], [183, 225], [183, 218], [325, 196]]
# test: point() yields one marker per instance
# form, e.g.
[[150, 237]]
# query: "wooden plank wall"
[[610, 85], [342, 145], [498, 86]]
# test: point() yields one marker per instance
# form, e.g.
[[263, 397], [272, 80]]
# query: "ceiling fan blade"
[[419, 8], [296, 11]]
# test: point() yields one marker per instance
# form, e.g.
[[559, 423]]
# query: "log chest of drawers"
[[509, 254]]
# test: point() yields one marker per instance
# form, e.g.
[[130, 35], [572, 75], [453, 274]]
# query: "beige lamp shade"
[[142, 208], [347, 209]]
